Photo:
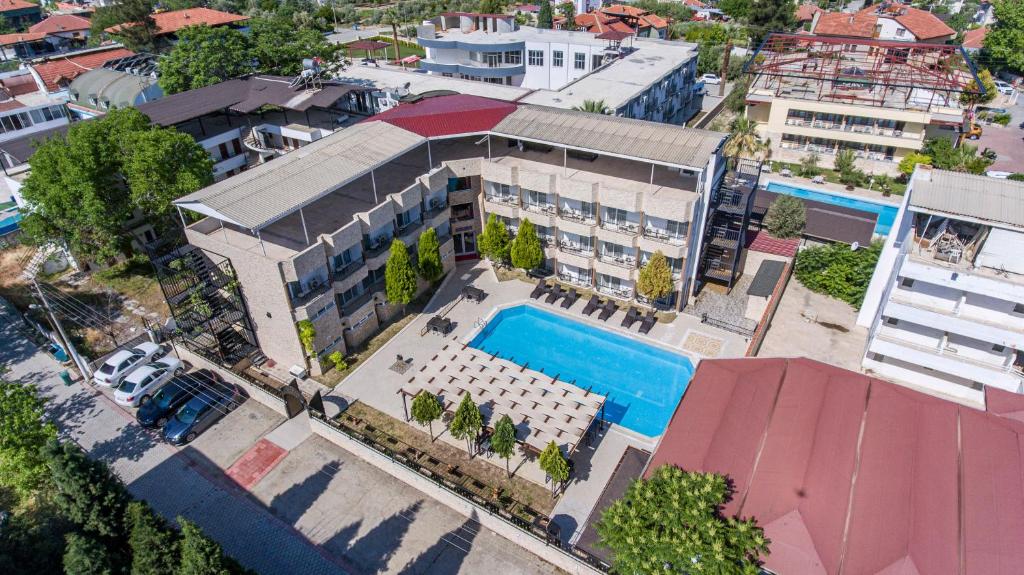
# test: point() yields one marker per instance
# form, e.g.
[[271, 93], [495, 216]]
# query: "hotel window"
[[536, 57], [513, 58], [579, 61], [556, 58]]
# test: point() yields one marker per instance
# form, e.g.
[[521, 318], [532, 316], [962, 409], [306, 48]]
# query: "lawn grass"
[[832, 176]]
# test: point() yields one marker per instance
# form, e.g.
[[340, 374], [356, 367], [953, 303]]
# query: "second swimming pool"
[[886, 212]]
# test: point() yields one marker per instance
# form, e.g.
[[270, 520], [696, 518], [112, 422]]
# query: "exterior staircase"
[[35, 263]]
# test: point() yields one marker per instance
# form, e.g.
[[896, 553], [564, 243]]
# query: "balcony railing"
[[410, 229], [350, 307], [539, 208], [664, 237], [948, 352], [507, 200], [312, 291], [576, 216], [578, 249], [348, 269], [627, 262], [628, 228], [378, 246], [547, 241], [617, 292], [576, 280], [434, 209]]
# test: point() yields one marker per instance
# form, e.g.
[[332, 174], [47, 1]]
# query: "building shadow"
[[583, 459], [372, 552], [445, 557], [292, 503]]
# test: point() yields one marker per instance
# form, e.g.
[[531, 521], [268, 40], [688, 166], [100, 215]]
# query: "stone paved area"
[[729, 307]]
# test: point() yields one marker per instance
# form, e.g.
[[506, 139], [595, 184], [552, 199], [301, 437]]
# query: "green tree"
[[161, 166], [1004, 42], [592, 106], [568, 11], [737, 9], [672, 523], [494, 243], [845, 161], [394, 19], [884, 183], [429, 255], [1018, 177], [84, 555], [654, 280], [526, 251], [545, 17], [307, 335], [838, 271], [279, 48], [200, 555], [426, 409], [911, 160], [972, 95], [555, 465], [964, 158], [492, 6], [154, 547], [23, 434], [467, 422], [203, 56], [85, 490], [786, 217], [744, 142], [809, 165], [399, 275], [767, 16], [137, 28], [503, 442]]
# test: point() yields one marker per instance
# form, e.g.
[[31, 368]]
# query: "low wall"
[[773, 304], [252, 389]]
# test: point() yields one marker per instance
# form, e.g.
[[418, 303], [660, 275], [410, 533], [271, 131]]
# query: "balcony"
[[343, 272], [724, 237], [351, 306], [315, 289], [943, 361], [664, 237], [580, 281], [409, 233], [539, 208], [577, 249], [576, 216], [616, 292], [377, 247], [508, 200], [621, 261], [627, 228], [473, 68]]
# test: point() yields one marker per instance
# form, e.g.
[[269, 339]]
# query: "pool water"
[[643, 383], [886, 213]]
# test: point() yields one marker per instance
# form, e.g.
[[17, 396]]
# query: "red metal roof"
[[447, 115], [367, 45], [170, 22], [61, 23], [975, 39], [67, 68], [10, 105], [851, 475]]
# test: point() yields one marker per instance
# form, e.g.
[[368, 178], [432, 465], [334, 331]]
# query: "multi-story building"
[[821, 95], [945, 307], [307, 235], [645, 79]]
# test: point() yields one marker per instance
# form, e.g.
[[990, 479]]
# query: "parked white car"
[[710, 79], [140, 385], [1004, 88], [117, 366]]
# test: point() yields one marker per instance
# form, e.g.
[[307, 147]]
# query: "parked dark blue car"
[[200, 412], [172, 395]]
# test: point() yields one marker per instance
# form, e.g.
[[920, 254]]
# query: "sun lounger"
[[592, 304], [555, 293], [607, 311], [570, 298], [540, 289], [648, 322], [632, 316]]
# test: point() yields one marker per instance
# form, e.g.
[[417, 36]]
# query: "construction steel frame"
[[861, 71]]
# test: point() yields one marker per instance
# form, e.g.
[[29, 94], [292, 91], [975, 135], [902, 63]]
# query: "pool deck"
[[376, 384], [839, 189]]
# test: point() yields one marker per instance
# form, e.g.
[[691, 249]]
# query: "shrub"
[[494, 243], [1002, 119], [429, 255], [786, 217], [526, 251], [1018, 177], [655, 277], [809, 165], [338, 360], [838, 271], [911, 160], [307, 334], [399, 275]]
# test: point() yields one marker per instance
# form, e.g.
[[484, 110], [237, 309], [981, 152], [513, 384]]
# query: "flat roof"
[[766, 278], [848, 474], [623, 79], [522, 34], [263, 194], [387, 78], [664, 144], [992, 201], [828, 221]]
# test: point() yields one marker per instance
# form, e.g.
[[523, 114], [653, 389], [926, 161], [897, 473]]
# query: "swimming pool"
[[9, 222], [886, 212], [643, 383]]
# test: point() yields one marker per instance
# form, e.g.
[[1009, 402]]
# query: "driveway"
[[1008, 142]]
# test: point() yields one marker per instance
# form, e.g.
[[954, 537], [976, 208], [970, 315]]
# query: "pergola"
[[543, 408], [369, 46]]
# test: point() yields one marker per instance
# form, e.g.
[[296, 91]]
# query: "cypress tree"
[[399, 275], [526, 250]]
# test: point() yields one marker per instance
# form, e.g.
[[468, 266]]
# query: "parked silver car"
[[119, 365], [139, 386]]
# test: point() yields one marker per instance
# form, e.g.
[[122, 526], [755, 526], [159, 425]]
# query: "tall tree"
[[555, 465], [203, 56], [84, 555], [161, 166], [1004, 42], [568, 11], [786, 217], [492, 6], [429, 251], [526, 251], [137, 28], [279, 47], [744, 142], [494, 242], [736, 9], [85, 490], [393, 18], [154, 547], [654, 280], [672, 523], [545, 17], [467, 422], [200, 555], [767, 16], [973, 95], [23, 434], [503, 442], [426, 409], [399, 275]]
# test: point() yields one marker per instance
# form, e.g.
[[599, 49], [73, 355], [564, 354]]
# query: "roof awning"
[[613, 35], [367, 45], [410, 59]]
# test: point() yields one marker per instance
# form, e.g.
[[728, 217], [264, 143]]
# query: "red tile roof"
[[447, 115], [9, 5], [938, 485], [61, 23], [764, 242], [806, 12], [842, 24], [10, 105], [923, 24], [170, 22], [598, 23], [9, 39], [694, 3], [67, 68], [975, 39]]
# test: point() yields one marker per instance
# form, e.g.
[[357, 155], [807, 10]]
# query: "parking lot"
[[1008, 141]]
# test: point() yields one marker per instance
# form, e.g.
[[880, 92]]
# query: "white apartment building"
[[945, 307], [646, 79]]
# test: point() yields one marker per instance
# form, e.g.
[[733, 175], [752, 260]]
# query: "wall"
[[550, 77]]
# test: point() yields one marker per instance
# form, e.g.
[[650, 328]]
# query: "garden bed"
[[832, 176]]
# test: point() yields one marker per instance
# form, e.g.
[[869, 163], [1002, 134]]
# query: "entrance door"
[[465, 245]]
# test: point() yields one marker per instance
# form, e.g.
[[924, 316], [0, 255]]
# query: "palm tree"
[[743, 140], [392, 19], [592, 106]]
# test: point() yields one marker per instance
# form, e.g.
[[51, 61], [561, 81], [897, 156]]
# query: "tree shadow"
[[73, 412], [445, 557], [566, 526], [374, 550], [132, 442], [291, 504]]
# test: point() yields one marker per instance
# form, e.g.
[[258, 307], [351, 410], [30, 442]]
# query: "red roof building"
[[61, 23], [447, 115], [845, 24], [598, 23], [806, 12], [886, 21], [975, 39], [11, 5], [851, 475], [56, 73], [19, 37], [171, 22]]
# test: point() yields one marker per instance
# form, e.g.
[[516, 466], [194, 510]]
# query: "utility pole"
[[725, 67], [82, 365]]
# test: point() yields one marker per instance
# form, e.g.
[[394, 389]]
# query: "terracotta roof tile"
[[61, 23], [19, 85], [9, 39], [975, 39], [67, 68], [170, 22], [9, 5], [806, 12], [858, 25], [923, 24], [10, 105]]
